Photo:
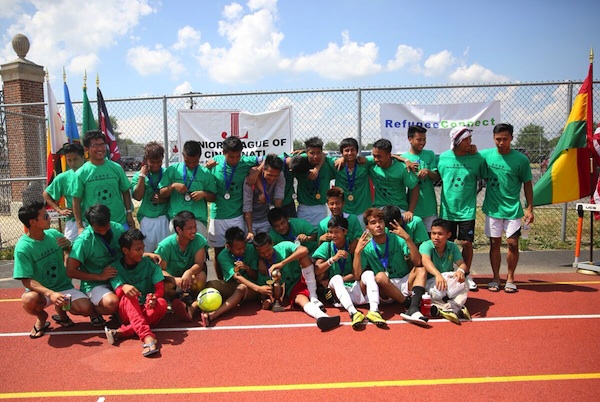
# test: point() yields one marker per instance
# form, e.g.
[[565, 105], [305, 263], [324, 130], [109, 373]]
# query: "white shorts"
[[71, 231], [428, 220], [453, 291], [75, 294], [217, 228], [494, 227], [258, 227], [97, 293], [313, 214], [356, 294], [155, 230], [200, 228], [402, 285]]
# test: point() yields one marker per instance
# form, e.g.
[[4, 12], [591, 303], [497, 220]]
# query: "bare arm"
[[528, 189]]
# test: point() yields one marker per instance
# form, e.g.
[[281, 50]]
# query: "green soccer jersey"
[[102, 184], [444, 263], [391, 183], [459, 189], [63, 186], [355, 183], [230, 186], [314, 192], [297, 226], [416, 230], [96, 252], [388, 257], [197, 179], [427, 204], [179, 261], [42, 260], [289, 192], [342, 266], [250, 258], [291, 272], [354, 228], [143, 276], [147, 207], [506, 175]]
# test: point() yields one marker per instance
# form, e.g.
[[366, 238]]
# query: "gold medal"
[[350, 197], [318, 196]]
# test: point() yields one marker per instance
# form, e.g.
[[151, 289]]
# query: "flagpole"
[[592, 167]]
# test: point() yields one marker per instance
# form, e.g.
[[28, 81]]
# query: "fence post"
[[359, 134], [563, 227], [166, 132]]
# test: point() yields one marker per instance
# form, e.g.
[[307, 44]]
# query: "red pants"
[[137, 319]]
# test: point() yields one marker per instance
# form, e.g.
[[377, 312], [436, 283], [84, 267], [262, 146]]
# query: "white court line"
[[286, 326]]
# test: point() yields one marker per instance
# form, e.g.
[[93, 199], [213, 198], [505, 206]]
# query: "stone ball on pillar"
[[20, 44]]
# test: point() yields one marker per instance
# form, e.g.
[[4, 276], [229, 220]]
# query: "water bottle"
[[525, 231], [426, 305]]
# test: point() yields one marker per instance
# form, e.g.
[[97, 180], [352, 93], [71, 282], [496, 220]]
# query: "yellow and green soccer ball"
[[209, 299]]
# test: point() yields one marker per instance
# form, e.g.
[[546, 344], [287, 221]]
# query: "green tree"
[[331, 146], [532, 141], [298, 144]]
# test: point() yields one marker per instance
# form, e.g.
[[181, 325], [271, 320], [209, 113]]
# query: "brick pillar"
[[25, 125]]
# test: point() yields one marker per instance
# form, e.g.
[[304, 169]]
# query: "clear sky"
[[148, 47]]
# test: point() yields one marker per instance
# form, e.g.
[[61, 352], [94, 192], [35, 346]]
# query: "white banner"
[[261, 133], [439, 120]]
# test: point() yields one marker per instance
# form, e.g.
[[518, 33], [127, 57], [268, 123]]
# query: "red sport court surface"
[[538, 344]]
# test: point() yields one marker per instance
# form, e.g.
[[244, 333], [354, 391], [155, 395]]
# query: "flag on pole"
[[106, 128], [568, 175], [71, 124], [89, 122], [56, 138]]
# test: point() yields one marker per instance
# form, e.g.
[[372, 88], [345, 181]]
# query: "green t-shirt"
[[361, 189], [230, 180], [427, 204], [179, 261], [42, 260], [297, 226], [396, 256], [354, 228], [95, 253], [308, 189], [291, 272], [103, 184], [195, 180], [417, 230], [144, 276], [289, 191], [147, 208], [444, 263], [250, 258], [506, 175], [341, 267], [391, 184], [459, 188], [63, 186]]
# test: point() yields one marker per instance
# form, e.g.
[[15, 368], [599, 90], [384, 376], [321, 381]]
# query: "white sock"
[[312, 310], [311, 282], [337, 283], [368, 278]]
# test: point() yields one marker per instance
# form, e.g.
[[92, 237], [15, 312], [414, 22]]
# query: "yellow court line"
[[303, 387]]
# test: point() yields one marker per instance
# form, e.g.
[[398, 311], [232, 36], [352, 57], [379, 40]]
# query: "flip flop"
[[493, 286], [152, 349], [39, 332], [66, 322], [510, 287], [204, 317]]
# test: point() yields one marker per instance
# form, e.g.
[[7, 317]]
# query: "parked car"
[[130, 163]]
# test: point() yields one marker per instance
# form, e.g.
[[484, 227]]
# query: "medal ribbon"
[[352, 179], [152, 184], [342, 261], [111, 250], [385, 260], [185, 170], [229, 179], [264, 183]]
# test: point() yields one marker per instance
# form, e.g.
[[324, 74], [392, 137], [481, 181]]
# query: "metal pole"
[[359, 134], [166, 132], [563, 228]]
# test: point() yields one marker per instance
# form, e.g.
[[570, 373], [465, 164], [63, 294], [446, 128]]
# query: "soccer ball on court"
[[209, 299]]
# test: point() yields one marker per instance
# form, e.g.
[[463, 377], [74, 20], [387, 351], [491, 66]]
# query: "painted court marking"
[[302, 387]]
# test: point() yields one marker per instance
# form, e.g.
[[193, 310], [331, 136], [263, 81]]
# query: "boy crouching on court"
[[139, 286], [447, 287]]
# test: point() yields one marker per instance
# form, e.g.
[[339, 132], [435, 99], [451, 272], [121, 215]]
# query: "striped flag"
[[568, 175], [71, 124], [56, 138], [106, 128]]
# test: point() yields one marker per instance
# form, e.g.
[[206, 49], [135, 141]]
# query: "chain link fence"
[[538, 111]]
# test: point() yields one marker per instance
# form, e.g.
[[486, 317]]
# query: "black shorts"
[[463, 230]]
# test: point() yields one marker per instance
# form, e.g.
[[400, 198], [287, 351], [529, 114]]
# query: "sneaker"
[[415, 318], [450, 316], [327, 323], [97, 321], [111, 335], [464, 313], [357, 319], [471, 282], [376, 318]]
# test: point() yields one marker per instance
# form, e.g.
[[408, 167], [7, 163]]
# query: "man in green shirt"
[[335, 203], [62, 187], [425, 165], [508, 172], [460, 169], [39, 265], [296, 230], [101, 181]]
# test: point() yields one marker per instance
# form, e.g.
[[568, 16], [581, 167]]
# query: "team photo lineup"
[[302, 231]]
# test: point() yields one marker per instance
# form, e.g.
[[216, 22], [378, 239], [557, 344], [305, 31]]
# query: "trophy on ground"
[[278, 290]]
